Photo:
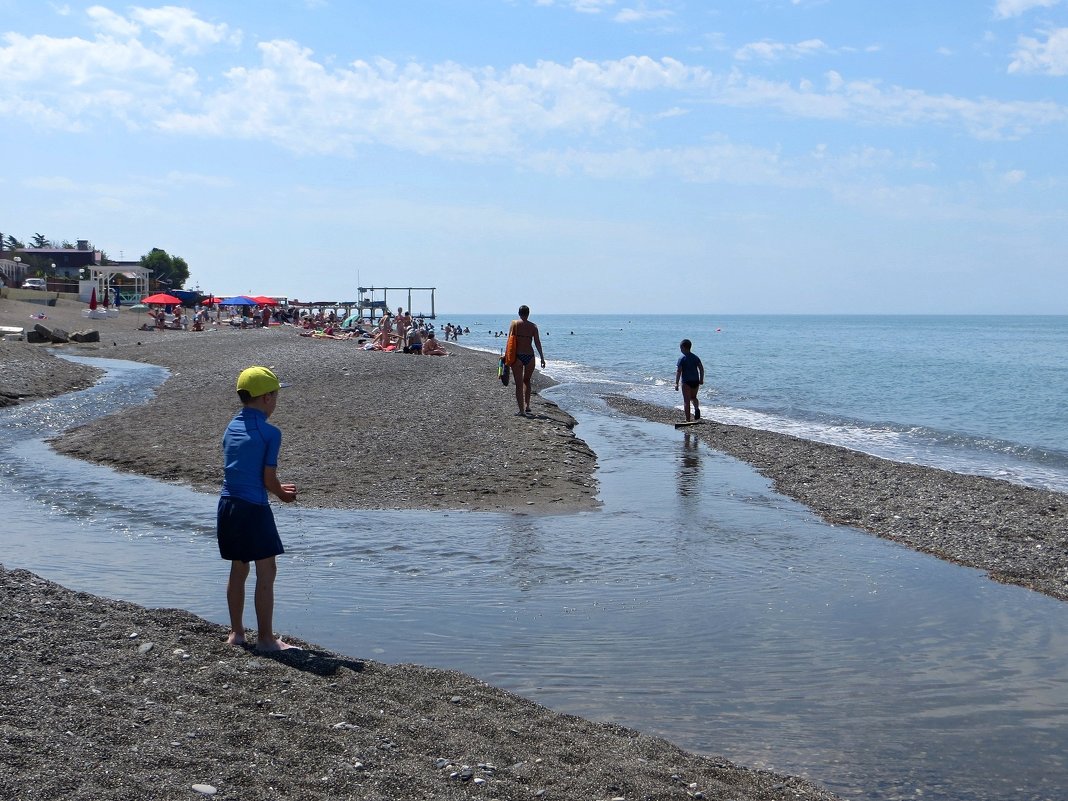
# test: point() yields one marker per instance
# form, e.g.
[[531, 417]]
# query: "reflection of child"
[[246, 528], [692, 373]]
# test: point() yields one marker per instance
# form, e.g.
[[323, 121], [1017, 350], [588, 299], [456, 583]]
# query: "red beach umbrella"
[[92, 300], [162, 299], [104, 300], [263, 300]]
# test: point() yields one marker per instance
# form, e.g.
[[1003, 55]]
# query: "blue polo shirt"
[[249, 444]]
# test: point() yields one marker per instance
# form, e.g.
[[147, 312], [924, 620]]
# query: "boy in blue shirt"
[[692, 373], [245, 524]]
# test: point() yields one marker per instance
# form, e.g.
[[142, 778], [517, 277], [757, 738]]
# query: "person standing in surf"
[[526, 340], [691, 372], [245, 523]]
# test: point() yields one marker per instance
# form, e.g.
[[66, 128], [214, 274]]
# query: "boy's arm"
[[701, 369], [678, 375], [287, 493], [537, 344]]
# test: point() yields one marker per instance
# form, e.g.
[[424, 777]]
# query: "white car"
[[35, 283]]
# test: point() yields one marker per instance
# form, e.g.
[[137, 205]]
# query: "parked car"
[[35, 283]]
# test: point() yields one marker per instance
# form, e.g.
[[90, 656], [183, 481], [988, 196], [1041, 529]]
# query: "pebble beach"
[[101, 682]]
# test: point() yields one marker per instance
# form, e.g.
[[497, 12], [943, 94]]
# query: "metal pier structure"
[[374, 301]]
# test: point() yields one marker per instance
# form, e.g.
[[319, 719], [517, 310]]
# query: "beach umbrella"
[[209, 301], [139, 307], [162, 299], [263, 300], [104, 298], [118, 298], [92, 300], [239, 300]]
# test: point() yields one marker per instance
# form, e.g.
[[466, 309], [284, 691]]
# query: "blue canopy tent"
[[239, 300]]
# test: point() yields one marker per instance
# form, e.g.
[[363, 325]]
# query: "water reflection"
[[698, 604], [689, 466]]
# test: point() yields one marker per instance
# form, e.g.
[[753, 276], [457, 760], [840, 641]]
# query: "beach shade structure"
[[139, 307], [263, 300], [92, 300], [104, 298], [162, 299], [238, 300], [211, 301]]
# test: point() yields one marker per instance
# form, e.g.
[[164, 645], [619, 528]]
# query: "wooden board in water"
[[688, 423]]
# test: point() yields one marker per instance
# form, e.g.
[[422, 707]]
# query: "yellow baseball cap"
[[258, 381]]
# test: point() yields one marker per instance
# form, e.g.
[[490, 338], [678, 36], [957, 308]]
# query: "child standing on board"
[[246, 528], [692, 373]]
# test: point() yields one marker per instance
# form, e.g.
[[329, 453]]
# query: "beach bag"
[[503, 372]]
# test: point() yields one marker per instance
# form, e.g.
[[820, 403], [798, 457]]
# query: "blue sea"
[[983, 395], [697, 604]]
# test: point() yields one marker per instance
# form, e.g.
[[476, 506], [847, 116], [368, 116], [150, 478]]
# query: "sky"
[[579, 156]]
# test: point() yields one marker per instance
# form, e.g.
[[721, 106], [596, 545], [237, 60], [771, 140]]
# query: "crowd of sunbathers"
[[400, 332], [392, 333]]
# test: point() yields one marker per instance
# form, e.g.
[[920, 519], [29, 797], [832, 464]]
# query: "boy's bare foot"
[[275, 644], [236, 639]]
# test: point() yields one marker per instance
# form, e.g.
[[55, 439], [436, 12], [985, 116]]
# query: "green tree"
[[170, 270], [41, 241], [11, 243]]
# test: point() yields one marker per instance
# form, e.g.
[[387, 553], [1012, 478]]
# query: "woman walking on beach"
[[526, 340]]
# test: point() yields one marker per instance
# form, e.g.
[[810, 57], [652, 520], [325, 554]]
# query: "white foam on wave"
[[895, 445]]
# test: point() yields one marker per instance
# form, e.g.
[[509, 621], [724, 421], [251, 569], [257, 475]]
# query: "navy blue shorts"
[[246, 531]]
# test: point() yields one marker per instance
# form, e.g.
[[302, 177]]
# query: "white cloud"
[[295, 101], [773, 51], [642, 14], [181, 29], [63, 83], [1049, 57], [1003, 9], [305, 105], [109, 23], [1014, 176], [868, 102], [177, 28]]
